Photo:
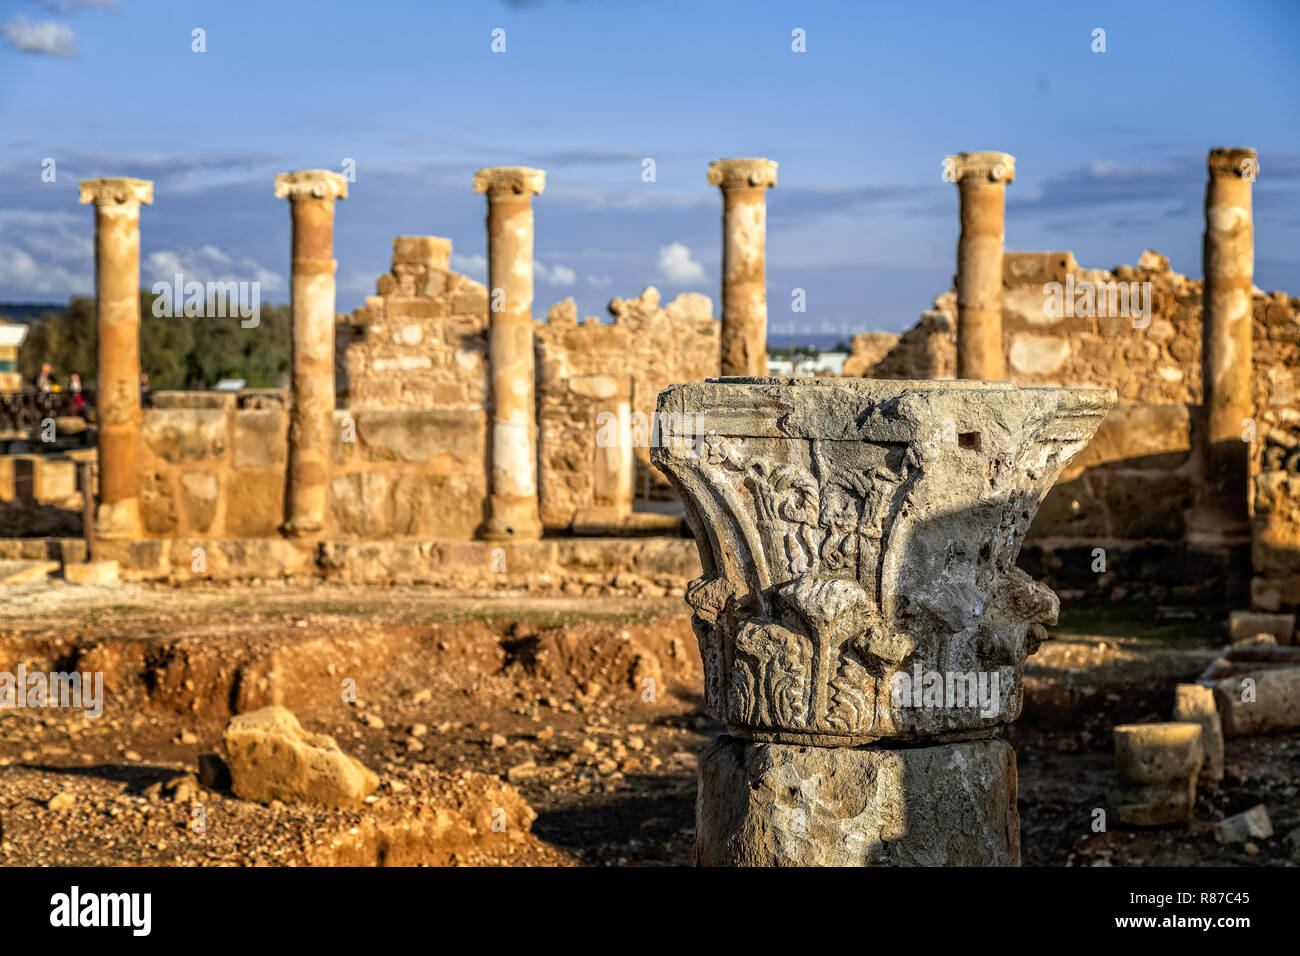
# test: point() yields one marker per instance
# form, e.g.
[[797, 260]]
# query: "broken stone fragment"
[[1158, 766], [1253, 823], [271, 757], [1195, 704]]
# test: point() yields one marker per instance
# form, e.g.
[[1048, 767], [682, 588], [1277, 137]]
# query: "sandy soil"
[[579, 719]]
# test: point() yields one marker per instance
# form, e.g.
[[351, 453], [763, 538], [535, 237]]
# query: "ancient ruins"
[[859, 541], [869, 559]]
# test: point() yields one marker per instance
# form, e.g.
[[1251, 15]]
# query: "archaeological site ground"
[[941, 510]]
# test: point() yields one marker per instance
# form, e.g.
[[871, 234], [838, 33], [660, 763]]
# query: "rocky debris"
[[1252, 823], [435, 823], [271, 757], [1158, 766], [1195, 704]]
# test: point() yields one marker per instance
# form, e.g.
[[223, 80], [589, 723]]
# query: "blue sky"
[[1110, 146]]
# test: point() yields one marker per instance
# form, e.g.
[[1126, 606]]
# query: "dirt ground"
[[510, 729]]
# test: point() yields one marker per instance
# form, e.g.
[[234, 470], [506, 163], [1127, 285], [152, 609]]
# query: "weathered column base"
[[512, 519], [118, 520], [766, 804]]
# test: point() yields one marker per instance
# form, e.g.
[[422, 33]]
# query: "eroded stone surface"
[[763, 804], [271, 757], [1195, 704], [856, 535], [1158, 765]]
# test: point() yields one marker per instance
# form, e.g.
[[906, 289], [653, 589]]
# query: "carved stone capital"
[[730, 173], [509, 180], [1238, 162], [311, 184], [982, 167], [116, 192], [858, 538]]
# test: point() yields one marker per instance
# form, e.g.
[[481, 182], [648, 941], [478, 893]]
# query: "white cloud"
[[676, 264], [474, 266], [21, 276], [555, 275], [47, 36], [600, 281], [208, 264]]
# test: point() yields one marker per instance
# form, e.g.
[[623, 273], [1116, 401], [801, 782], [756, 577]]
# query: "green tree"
[[175, 351]]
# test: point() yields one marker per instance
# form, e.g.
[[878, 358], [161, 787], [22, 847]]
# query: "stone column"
[[1228, 261], [513, 508], [744, 185], [981, 180], [117, 326], [311, 194], [861, 618]]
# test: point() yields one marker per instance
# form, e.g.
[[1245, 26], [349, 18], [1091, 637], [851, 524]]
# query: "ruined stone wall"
[[1130, 491], [422, 341], [41, 495], [1275, 455], [584, 370], [212, 466]]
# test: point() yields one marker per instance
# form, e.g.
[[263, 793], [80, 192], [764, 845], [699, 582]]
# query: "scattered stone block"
[[1253, 823], [1158, 765], [1264, 701], [271, 757], [1195, 704], [24, 572], [1243, 625], [91, 572]]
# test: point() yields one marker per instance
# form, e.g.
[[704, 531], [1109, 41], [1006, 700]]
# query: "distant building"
[[825, 363], [11, 336]]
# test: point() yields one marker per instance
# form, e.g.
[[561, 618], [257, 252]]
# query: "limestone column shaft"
[[311, 194], [117, 324], [1228, 260], [744, 184], [512, 506], [981, 186]]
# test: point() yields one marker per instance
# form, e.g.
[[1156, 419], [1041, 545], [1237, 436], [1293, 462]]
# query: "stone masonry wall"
[[586, 369], [1130, 490], [422, 341], [212, 466]]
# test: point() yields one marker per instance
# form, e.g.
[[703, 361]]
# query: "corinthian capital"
[[729, 173], [498, 180], [984, 167], [116, 192], [311, 184], [1233, 161]]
